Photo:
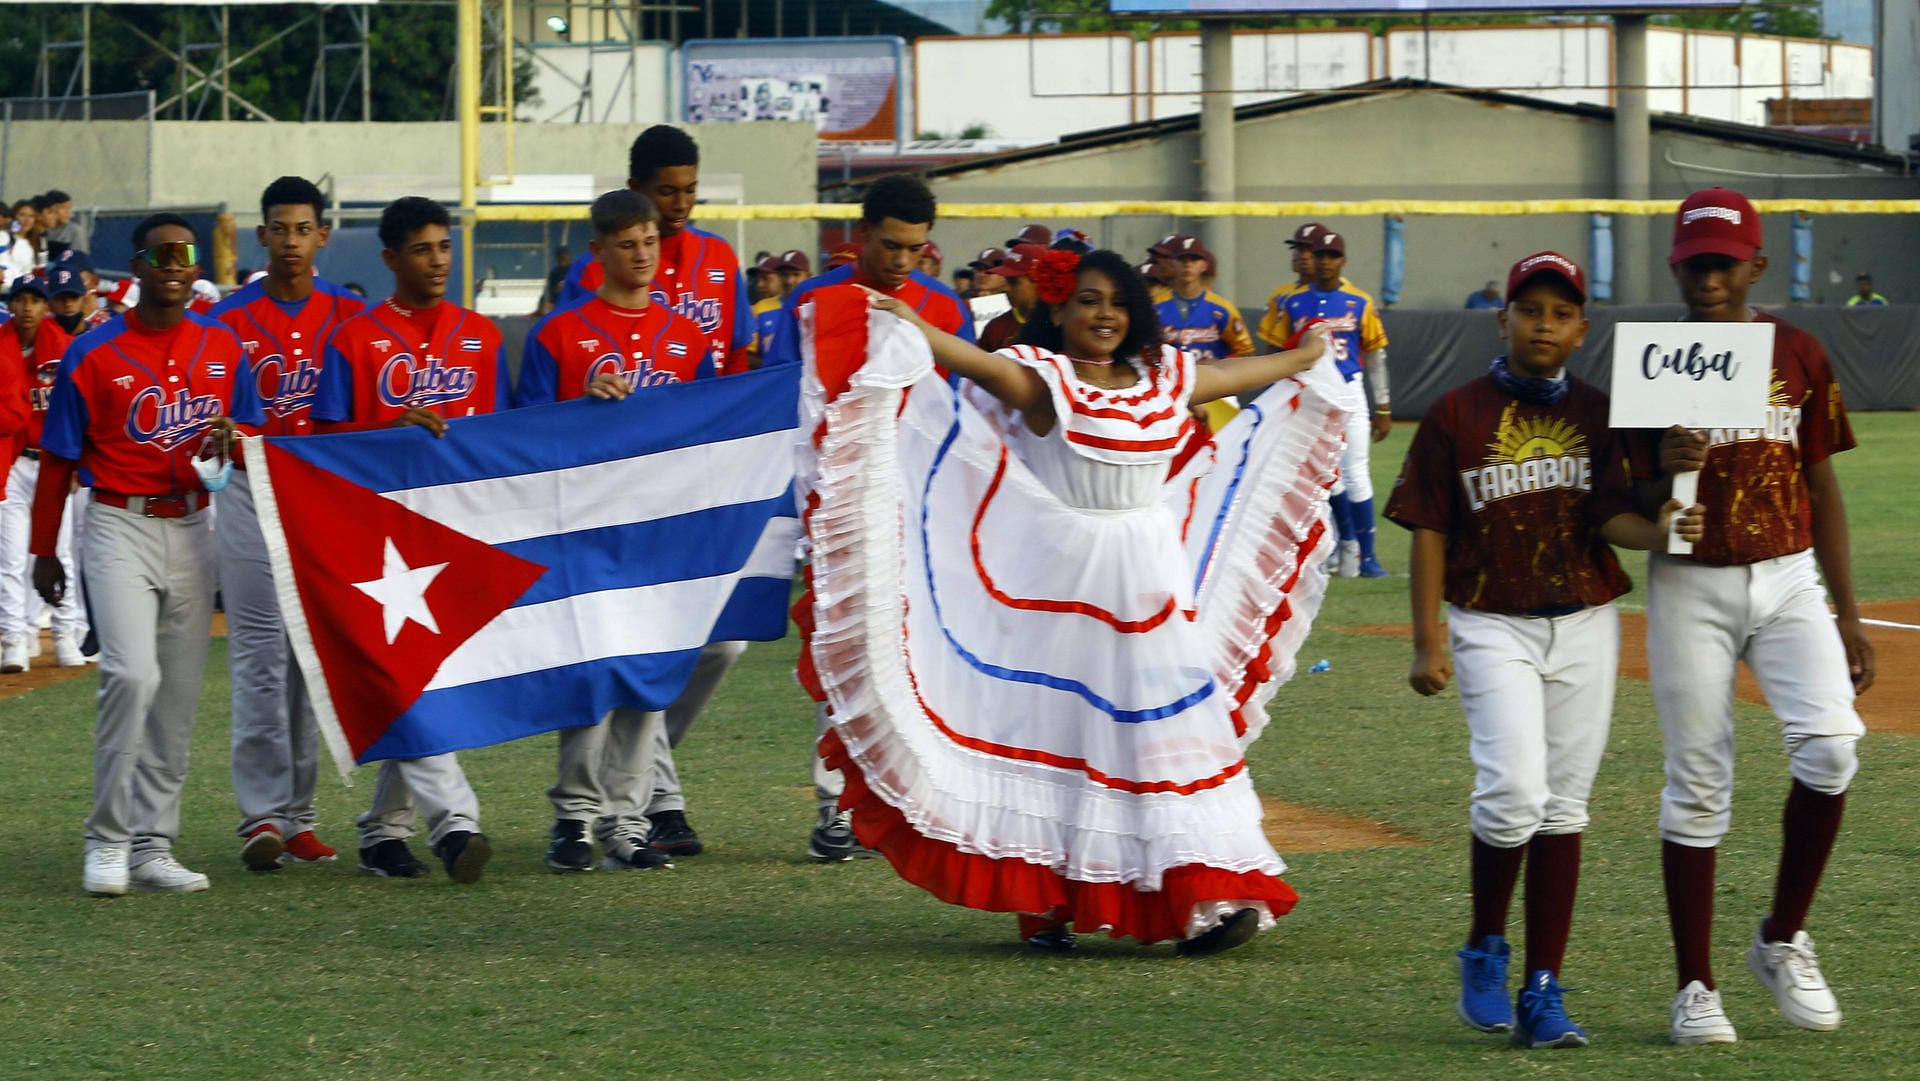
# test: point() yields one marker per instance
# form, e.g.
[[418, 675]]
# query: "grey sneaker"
[[1791, 970], [833, 841]]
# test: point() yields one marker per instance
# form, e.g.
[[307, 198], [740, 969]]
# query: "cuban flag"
[[534, 568]]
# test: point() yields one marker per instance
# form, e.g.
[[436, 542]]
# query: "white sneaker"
[[163, 874], [1792, 972], [33, 644], [1350, 559], [13, 653], [66, 651], [1698, 1018], [106, 872]]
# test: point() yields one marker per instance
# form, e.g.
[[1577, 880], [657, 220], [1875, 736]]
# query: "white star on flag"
[[402, 592]]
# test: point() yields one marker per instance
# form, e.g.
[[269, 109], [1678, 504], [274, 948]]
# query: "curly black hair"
[[292, 191], [1143, 320], [900, 197], [408, 215], [661, 146]]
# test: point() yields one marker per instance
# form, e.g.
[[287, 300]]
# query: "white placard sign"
[[1699, 375]]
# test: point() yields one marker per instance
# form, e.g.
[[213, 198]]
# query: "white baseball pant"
[[715, 659], [439, 786], [1538, 694], [276, 738], [152, 585], [1701, 621], [18, 601], [1354, 480], [605, 770]]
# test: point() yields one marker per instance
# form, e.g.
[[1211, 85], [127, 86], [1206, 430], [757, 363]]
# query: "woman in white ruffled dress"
[[1046, 611]]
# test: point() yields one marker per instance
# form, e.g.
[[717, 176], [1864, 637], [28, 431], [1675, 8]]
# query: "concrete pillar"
[[1632, 160], [1216, 144]]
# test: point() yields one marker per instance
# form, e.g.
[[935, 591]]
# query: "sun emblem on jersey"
[[1517, 440]]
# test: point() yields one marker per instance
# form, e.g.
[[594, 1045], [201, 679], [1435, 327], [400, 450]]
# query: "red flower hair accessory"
[[1054, 274]]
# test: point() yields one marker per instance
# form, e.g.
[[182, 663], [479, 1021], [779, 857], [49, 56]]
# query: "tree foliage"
[[410, 53]]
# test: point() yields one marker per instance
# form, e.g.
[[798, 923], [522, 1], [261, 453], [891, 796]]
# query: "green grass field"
[[749, 962]]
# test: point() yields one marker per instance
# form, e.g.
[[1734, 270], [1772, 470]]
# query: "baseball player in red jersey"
[[608, 346], [31, 345], [133, 405], [415, 359], [1513, 488], [699, 274], [1776, 524], [895, 217], [283, 321]]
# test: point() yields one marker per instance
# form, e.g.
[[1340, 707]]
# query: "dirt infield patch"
[[1294, 829], [1887, 707]]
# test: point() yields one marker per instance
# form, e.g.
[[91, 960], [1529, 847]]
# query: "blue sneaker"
[[1371, 568], [1542, 1020], [1483, 985]]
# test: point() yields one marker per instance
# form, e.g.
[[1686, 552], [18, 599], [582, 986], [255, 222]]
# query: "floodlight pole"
[[1632, 160], [1217, 144]]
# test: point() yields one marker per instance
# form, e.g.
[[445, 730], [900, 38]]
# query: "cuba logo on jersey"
[[1527, 455], [704, 311], [283, 390], [165, 422], [407, 384], [642, 374]]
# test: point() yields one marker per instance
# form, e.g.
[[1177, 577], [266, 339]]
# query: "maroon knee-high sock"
[[1553, 877], [1808, 827], [1495, 871], [1689, 876]]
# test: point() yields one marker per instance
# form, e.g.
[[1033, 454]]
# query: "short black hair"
[[55, 197], [621, 209], [1143, 320], [292, 191], [408, 215], [900, 197], [154, 221], [661, 146], [40, 203]]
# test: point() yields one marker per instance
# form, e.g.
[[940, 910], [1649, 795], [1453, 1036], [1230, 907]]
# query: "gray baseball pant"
[[828, 784], [604, 769], [276, 738], [152, 584], [436, 783], [715, 659]]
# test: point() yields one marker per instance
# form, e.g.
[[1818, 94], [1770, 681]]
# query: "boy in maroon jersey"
[[1513, 488], [283, 321], [419, 359], [133, 404], [1776, 525], [615, 342]]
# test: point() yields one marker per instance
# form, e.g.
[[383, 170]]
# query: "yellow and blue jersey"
[[766, 317], [1350, 314], [1207, 326]]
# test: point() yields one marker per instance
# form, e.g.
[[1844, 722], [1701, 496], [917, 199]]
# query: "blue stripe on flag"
[[562, 435], [1233, 490], [698, 545], [1018, 675], [514, 707]]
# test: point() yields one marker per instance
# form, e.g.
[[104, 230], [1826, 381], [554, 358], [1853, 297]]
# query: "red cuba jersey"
[[29, 379], [699, 278], [648, 347], [380, 363], [285, 345], [131, 404]]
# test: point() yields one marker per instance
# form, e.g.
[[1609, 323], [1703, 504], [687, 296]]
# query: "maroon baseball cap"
[[1717, 221], [1150, 272], [769, 265], [793, 259], [1190, 245], [1167, 244], [1020, 261], [1547, 264], [1328, 240], [989, 260], [1306, 236], [1033, 234]]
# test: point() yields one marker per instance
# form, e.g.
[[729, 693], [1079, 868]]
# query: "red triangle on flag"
[[338, 536]]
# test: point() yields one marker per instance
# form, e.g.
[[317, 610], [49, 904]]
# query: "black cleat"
[[465, 855], [1236, 930], [570, 851], [833, 841], [670, 833], [391, 858]]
